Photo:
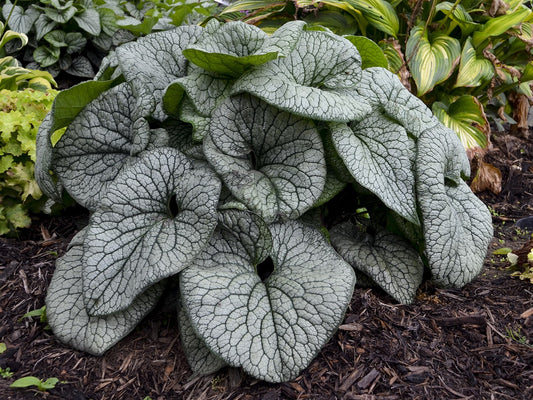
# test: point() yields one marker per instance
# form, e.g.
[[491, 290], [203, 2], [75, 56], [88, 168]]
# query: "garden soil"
[[470, 343]]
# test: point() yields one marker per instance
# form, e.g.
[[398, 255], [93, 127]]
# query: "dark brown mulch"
[[473, 343]]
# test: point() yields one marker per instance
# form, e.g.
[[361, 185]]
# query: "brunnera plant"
[[266, 176]]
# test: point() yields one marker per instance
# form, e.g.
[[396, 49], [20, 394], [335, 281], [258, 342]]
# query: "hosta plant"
[[262, 177]]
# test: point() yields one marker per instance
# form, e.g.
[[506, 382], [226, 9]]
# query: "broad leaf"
[[81, 66], [151, 224], [272, 327], [61, 16], [66, 313], [379, 13], [312, 80], [154, 61], [378, 154], [271, 160], [384, 91], [371, 53], [75, 42], [473, 70], [97, 143], [498, 25], [457, 225], [388, 260], [458, 14], [232, 48], [467, 118], [9, 36], [89, 21], [43, 25], [201, 360], [21, 20], [46, 56], [431, 58]]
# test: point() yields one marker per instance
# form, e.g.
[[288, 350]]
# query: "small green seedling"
[[6, 372], [3, 347], [40, 312], [28, 381]]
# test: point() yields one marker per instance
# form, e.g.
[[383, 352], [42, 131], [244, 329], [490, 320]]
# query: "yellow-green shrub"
[[21, 114]]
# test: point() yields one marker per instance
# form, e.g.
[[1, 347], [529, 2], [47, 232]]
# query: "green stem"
[[8, 17]]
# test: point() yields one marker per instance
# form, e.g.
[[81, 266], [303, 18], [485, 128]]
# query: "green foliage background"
[[21, 114]]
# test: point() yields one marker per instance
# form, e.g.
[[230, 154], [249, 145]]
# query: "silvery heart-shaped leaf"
[[152, 62], [206, 90], [232, 48], [390, 261], [312, 81], [97, 144], [180, 137], [246, 230], [66, 313], [271, 160], [457, 225], [153, 221], [272, 327], [201, 360], [384, 91], [378, 153]]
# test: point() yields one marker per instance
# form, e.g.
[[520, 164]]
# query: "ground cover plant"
[[261, 176]]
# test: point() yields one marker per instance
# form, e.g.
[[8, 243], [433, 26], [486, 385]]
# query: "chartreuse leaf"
[[457, 226], [473, 70], [152, 62], [269, 159], [388, 260], [152, 222], [431, 57], [201, 360], [97, 143], [312, 80], [466, 117], [67, 315], [371, 53], [498, 25], [11, 35], [232, 48], [378, 154], [274, 323]]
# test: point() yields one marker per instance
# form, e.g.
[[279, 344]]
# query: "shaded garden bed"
[[475, 343]]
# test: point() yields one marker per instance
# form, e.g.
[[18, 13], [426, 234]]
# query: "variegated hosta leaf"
[[201, 360], [431, 57], [153, 221], [473, 70], [97, 144], [378, 154], [390, 261], [232, 48], [273, 327], [312, 80], [384, 91], [66, 313], [457, 225], [271, 160], [467, 118], [152, 62]]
